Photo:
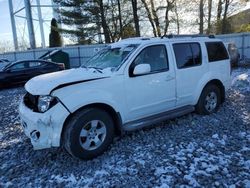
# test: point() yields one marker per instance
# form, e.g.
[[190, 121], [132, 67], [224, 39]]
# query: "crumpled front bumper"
[[43, 129]]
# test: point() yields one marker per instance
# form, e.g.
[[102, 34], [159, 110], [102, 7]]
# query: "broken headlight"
[[45, 102]]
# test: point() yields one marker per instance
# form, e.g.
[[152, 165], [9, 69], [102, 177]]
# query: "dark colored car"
[[20, 72], [3, 63]]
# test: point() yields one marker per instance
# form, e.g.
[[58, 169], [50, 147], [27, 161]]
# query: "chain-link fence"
[[80, 54]]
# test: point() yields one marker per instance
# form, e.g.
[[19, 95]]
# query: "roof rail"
[[183, 36]]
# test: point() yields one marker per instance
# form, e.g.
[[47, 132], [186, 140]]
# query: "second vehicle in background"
[[21, 71]]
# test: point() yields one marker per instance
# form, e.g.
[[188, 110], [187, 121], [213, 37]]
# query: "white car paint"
[[132, 97]]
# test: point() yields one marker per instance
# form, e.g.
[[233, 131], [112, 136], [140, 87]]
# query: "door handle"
[[169, 77]]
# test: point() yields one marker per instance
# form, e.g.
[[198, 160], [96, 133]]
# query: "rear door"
[[189, 70]]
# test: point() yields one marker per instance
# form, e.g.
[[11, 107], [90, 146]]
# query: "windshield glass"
[[3, 66], [110, 57]]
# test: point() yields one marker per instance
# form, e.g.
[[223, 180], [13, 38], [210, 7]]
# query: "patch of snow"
[[212, 168], [61, 179], [215, 136], [191, 180], [245, 148], [247, 183], [242, 134], [242, 81], [101, 173]]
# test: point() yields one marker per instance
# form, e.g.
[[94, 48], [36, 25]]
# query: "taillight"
[[61, 65]]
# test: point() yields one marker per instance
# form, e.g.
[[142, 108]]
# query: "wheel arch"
[[116, 117], [217, 83]]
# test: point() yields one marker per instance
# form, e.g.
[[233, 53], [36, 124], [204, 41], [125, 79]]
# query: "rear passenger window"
[[216, 51], [35, 64], [187, 54]]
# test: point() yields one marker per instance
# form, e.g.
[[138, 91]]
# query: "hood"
[[46, 83]]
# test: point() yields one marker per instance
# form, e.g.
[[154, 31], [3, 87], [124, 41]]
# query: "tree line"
[[95, 21]]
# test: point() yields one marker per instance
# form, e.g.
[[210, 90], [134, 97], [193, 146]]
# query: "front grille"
[[31, 101]]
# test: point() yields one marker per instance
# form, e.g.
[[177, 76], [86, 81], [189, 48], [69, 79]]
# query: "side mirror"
[[8, 71], [142, 69]]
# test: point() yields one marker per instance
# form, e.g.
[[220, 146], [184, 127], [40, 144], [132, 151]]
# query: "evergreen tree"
[[55, 39], [80, 18]]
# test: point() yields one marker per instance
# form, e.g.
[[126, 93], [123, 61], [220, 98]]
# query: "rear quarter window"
[[216, 51]]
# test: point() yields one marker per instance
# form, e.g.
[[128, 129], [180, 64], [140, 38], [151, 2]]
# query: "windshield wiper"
[[96, 68]]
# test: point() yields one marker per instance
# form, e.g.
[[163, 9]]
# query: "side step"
[[141, 123]]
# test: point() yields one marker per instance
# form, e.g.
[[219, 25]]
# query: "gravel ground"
[[191, 151]]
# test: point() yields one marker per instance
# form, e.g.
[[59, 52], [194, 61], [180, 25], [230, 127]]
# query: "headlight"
[[45, 102]]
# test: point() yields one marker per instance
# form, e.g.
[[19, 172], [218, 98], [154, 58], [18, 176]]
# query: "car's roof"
[[28, 60], [143, 40]]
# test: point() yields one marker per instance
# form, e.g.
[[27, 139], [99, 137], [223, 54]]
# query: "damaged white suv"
[[128, 85]]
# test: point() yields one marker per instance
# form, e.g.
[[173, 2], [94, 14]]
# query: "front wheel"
[[88, 133], [209, 100]]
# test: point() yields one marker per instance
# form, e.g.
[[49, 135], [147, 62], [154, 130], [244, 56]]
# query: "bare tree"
[[170, 5], [177, 20], [155, 18], [224, 19], [150, 18], [218, 18], [209, 16], [120, 17], [201, 16], [136, 18]]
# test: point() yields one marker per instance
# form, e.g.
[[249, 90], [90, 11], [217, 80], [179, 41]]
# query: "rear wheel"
[[88, 133], [209, 100]]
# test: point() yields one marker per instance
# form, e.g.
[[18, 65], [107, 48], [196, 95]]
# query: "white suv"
[[126, 86]]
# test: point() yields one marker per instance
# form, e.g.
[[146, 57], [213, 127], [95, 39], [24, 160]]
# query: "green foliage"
[[128, 31], [81, 19], [244, 28], [55, 39]]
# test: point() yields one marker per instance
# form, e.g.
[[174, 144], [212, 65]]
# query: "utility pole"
[[13, 25], [30, 24], [40, 22]]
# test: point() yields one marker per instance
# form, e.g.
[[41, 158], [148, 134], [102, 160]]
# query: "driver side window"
[[155, 56]]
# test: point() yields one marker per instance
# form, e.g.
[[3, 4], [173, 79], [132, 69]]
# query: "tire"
[[209, 100], [88, 133]]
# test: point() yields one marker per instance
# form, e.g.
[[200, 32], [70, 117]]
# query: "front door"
[[153, 92]]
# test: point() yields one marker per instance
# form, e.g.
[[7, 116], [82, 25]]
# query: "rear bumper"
[[43, 129]]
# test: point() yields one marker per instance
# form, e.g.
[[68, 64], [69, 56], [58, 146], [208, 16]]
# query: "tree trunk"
[[201, 24], [218, 19], [149, 17], [209, 16], [155, 18], [120, 17], [168, 8], [104, 23], [177, 18], [136, 19], [224, 19]]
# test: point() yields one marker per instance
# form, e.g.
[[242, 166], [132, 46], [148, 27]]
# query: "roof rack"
[[183, 36]]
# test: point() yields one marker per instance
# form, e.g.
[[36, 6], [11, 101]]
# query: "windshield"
[[3, 66], [110, 57]]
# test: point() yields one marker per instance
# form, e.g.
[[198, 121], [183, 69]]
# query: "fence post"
[[15, 56], [243, 46], [79, 57]]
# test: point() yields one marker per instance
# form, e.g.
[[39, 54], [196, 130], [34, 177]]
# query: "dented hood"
[[46, 83]]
